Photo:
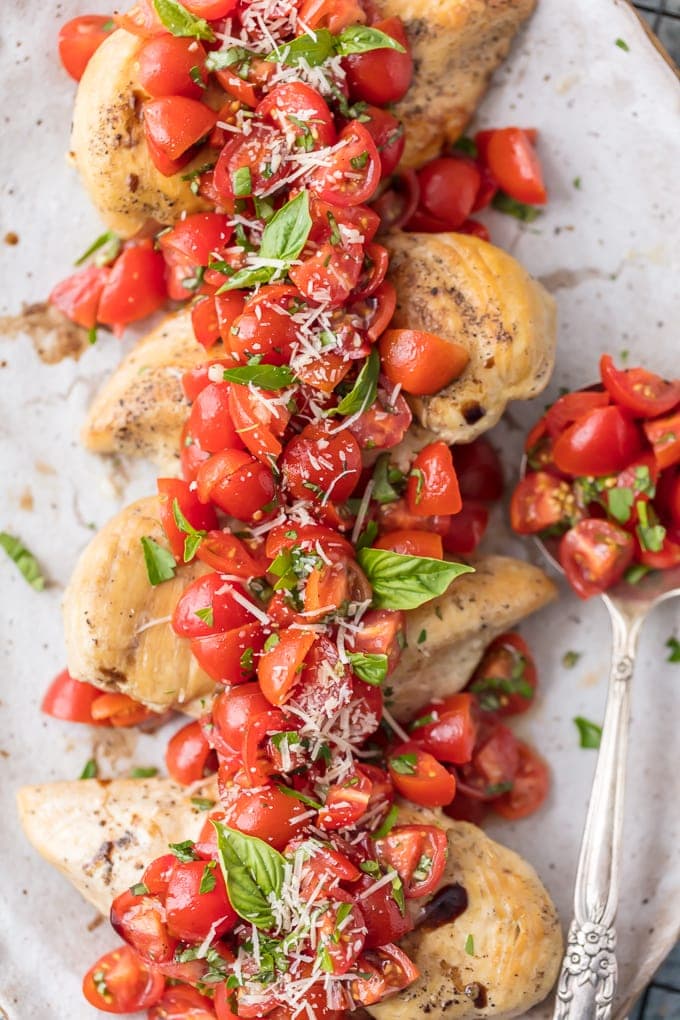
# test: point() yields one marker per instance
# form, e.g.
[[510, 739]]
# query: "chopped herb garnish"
[[590, 733], [511, 207], [246, 660], [577, 183], [196, 76], [365, 389], [422, 637], [208, 879], [623, 45], [470, 945], [674, 649], [569, 659], [467, 146], [143, 772], [423, 720], [385, 478], [90, 770], [650, 533], [497, 789], [404, 764], [203, 803], [139, 889], [360, 161], [184, 851], [271, 642], [193, 537], [620, 503], [160, 563], [24, 559], [302, 797], [266, 377], [370, 668], [635, 573], [107, 246], [179, 21], [367, 536], [207, 615], [242, 182], [390, 821]]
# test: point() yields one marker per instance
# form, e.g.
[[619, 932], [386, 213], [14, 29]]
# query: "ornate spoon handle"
[[588, 977]]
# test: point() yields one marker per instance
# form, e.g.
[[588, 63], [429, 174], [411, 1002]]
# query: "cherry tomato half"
[[79, 38], [594, 555], [120, 982], [421, 362]]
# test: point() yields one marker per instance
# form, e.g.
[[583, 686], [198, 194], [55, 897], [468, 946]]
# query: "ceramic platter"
[[609, 251]]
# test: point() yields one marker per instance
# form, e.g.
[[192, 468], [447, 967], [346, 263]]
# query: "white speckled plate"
[[609, 250]]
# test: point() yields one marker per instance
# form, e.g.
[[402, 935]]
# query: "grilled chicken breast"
[[117, 626], [118, 633], [470, 292], [101, 836], [141, 408]]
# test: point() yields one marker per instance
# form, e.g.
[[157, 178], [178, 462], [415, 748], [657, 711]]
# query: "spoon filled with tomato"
[[600, 492]]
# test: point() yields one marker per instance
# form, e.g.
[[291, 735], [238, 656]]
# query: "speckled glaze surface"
[[608, 248]]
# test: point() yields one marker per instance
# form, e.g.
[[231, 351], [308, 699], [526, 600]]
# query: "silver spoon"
[[588, 977]]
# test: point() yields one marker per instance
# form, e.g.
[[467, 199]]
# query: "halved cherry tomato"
[[418, 854], [382, 915], [387, 131], [120, 982], [205, 323], [466, 529], [299, 110], [211, 592], [571, 407], [541, 501], [664, 435], [346, 802], [421, 362], [188, 755], [602, 442], [196, 902], [267, 813], [210, 421], [228, 658], [530, 786], [412, 543], [432, 486], [505, 680], [140, 920], [419, 777], [398, 203], [448, 730], [594, 555], [78, 296], [278, 669], [79, 38], [383, 425], [381, 76], [234, 709], [120, 710], [135, 287], [353, 174], [259, 422], [379, 634], [181, 1002], [238, 483], [448, 188], [225, 552], [211, 10], [479, 470], [511, 158], [383, 971], [331, 14], [494, 763], [341, 937], [199, 516], [71, 699], [642, 392], [322, 462], [166, 63], [255, 153], [175, 123]]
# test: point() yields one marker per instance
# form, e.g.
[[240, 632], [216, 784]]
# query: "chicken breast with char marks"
[[468, 291], [101, 836]]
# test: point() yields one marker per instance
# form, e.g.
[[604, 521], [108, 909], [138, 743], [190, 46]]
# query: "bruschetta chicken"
[[102, 835]]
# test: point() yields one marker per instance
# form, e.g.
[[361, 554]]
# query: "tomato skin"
[[540, 501], [466, 529], [603, 442], [119, 710], [237, 482], [428, 784], [421, 362], [302, 102], [530, 786], [141, 20], [78, 295], [496, 759], [339, 449], [389, 970], [210, 591], [479, 470], [135, 287], [594, 555], [129, 985], [381, 76], [403, 849], [78, 39], [222, 655], [277, 670], [412, 543], [382, 917], [228, 554], [512, 159], [387, 131], [668, 556], [174, 123], [182, 1002], [334, 184], [200, 516], [70, 699], [256, 424], [140, 920], [571, 407], [664, 435], [188, 754], [331, 14], [448, 188], [432, 486], [451, 736], [191, 913], [210, 421], [266, 813], [506, 659], [164, 65], [642, 392]]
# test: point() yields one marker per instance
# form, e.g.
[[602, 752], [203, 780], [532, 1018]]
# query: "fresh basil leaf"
[[590, 733], [406, 582], [220, 60], [194, 537], [302, 797], [179, 21], [362, 39], [372, 669], [384, 475], [108, 245], [389, 823], [404, 764], [143, 772], [248, 277], [253, 871], [286, 234], [314, 50], [90, 770], [242, 182], [511, 207], [673, 646], [24, 559], [160, 563], [266, 377], [365, 389]]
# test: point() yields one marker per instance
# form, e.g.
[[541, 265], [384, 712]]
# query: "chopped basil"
[[179, 21], [236, 57], [242, 182], [208, 879], [107, 245], [590, 734], [467, 146], [139, 889], [143, 772], [398, 894], [365, 389], [313, 50], [577, 183], [649, 531], [24, 559], [207, 615], [422, 637], [497, 789], [674, 649], [489, 689], [336, 236], [388, 824], [569, 659], [195, 281], [302, 797], [184, 851], [620, 503], [635, 573], [422, 868], [92, 335], [108, 25], [362, 39], [371, 868], [385, 476], [470, 945], [160, 563], [419, 476], [193, 537], [623, 45], [265, 377], [90, 770], [196, 76], [372, 669], [511, 207], [253, 872], [203, 803], [367, 536], [271, 642], [246, 660], [360, 161], [423, 720], [404, 764], [406, 582]]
